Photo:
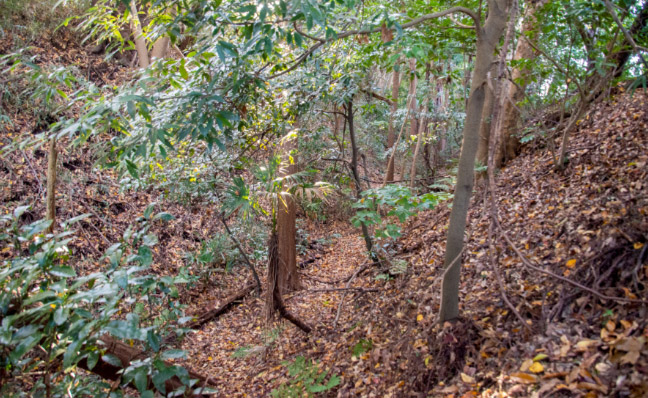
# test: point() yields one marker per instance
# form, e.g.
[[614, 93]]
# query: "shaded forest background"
[[334, 198]]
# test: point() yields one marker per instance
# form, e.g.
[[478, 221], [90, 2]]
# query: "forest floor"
[[584, 227]]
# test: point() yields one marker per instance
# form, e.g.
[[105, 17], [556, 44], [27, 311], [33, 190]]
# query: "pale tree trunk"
[[491, 115], [50, 201], [413, 113], [443, 140], [391, 136], [160, 48], [498, 88], [485, 126], [287, 275], [487, 39], [514, 93], [421, 128], [138, 35]]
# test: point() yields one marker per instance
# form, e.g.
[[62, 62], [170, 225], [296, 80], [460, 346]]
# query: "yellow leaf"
[[571, 263], [526, 365], [419, 318], [210, 358], [536, 367], [638, 245]]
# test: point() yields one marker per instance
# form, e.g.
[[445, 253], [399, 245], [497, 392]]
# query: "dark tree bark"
[[354, 170], [287, 277]]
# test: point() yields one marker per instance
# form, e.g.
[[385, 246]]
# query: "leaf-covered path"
[[588, 225]]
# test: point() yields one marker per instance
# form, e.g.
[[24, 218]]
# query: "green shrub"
[[308, 380], [52, 318], [397, 201]]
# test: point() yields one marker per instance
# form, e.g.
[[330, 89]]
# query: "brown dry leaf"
[[584, 345], [632, 346], [386, 34], [467, 379], [526, 365], [525, 378]]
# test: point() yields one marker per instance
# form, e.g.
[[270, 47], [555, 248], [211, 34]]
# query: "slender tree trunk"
[[510, 115], [485, 126], [391, 136], [444, 100], [287, 276], [413, 127], [487, 38], [421, 128], [50, 201], [138, 35], [498, 83], [160, 48], [354, 170]]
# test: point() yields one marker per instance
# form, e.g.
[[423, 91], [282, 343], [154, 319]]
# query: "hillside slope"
[[588, 225]]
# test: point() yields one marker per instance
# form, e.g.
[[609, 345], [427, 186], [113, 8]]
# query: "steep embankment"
[[587, 224]]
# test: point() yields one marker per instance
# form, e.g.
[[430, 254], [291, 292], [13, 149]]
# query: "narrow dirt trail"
[[243, 354]]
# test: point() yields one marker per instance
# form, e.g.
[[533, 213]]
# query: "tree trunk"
[[510, 115], [413, 113], [391, 136], [421, 128], [487, 38], [160, 48], [354, 170], [138, 35], [274, 300], [287, 277], [485, 126], [50, 201]]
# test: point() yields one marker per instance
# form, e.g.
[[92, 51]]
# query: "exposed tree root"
[[273, 298]]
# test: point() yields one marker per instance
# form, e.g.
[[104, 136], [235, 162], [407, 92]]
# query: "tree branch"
[[354, 32]]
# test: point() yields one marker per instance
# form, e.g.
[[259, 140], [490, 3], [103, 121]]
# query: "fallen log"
[[215, 312], [128, 354]]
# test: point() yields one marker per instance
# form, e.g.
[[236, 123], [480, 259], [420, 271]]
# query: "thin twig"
[[345, 279], [339, 310], [245, 257], [528, 264], [40, 185], [338, 289]]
